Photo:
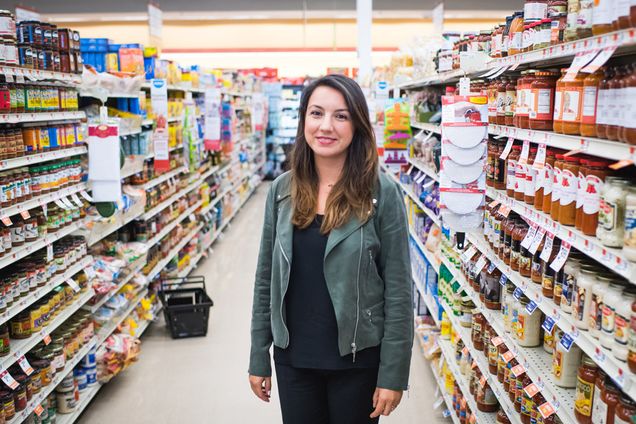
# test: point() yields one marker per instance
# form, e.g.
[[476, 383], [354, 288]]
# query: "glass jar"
[[585, 387], [590, 102], [597, 171], [580, 192], [603, 103], [611, 216], [548, 181], [542, 88], [519, 233], [625, 410], [572, 18], [565, 363], [602, 17], [557, 116], [631, 356], [528, 325], [500, 113], [549, 340], [500, 167], [595, 316], [621, 325], [516, 34], [616, 102], [611, 299], [629, 239], [8, 405], [531, 177], [511, 101], [629, 124], [526, 99], [543, 177], [571, 270], [559, 163], [21, 326], [478, 325], [507, 306], [535, 266], [572, 105], [547, 273], [520, 177], [511, 166], [582, 296], [569, 186], [584, 20], [493, 288]]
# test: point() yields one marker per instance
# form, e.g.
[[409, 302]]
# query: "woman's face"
[[328, 125]]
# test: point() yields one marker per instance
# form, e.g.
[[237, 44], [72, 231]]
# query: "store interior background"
[[297, 37]]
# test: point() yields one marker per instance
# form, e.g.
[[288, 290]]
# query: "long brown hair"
[[352, 195]]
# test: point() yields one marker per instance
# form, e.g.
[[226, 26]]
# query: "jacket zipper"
[[282, 300], [354, 348]]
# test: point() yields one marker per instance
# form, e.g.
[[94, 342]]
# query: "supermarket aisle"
[[205, 379]]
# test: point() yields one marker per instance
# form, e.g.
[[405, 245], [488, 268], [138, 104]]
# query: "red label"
[[47, 339], [508, 356], [518, 370], [38, 410], [546, 410], [531, 389]]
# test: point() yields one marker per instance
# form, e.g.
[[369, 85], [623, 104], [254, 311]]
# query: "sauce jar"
[[558, 103], [476, 335], [500, 168], [511, 166], [535, 266], [520, 177], [615, 102], [570, 273], [596, 172], [542, 88], [569, 187], [611, 299], [584, 20], [531, 177], [493, 288], [629, 239], [625, 410], [516, 34], [580, 192], [585, 387], [582, 295], [528, 325], [511, 101], [506, 251], [611, 230], [590, 103], [602, 17], [603, 103], [565, 363], [525, 99], [572, 18], [548, 275], [559, 163], [547, 183], [500, 116], [621, 325], [6, 397], [519, 233], [572, 105]]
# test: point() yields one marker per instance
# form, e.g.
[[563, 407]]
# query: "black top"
[[310, 317]]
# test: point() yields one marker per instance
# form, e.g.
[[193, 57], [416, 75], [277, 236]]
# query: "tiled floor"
[[204, 380]]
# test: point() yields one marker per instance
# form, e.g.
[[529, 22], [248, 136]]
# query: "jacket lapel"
[[284, 227], [341, 233]]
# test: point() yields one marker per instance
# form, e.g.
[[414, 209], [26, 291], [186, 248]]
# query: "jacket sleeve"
[[395, 269], [261, 331]]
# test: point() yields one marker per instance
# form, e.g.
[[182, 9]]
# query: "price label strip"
[[73, 284], [503, 280], [531, 306], [531, 390], [562, 256], [518, 370], [517, 293], [548, 324], [8, 380], [481, 263], [566, 342]]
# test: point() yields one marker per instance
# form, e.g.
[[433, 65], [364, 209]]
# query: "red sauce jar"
[[585, 387], [542, 111]]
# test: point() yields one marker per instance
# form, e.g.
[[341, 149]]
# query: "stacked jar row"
[[35, 271], [576, 190], [595, 104], [19, 98]]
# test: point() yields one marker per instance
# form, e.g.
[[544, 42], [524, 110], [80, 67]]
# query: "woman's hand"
[[385, 401], [261, 386]]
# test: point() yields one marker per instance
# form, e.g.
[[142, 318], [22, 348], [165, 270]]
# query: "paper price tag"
[[599, 60], [468, 253], [8, 77], [25, 214], [482, 381], [527, 240], [580, 60], [8, 380], [531, 306], [465, 351], [546, 410], [47, 339], [508, 356], [38, 410], [59, 203], [517, 293], [506, 151], [531, 390], [481, 263], [24, 364], [562, 256], [90, 272], [494, 203], [19, 79], [76, 200], [536, 241], [473, 365], [45, 210], [73, 284], [505, 210], [496, 341], [548, 324], [547, 247], [539, 160], [518, 370], [6, 221], [491, 267], [49, 252], [446, 413], [503, 280], [599, 355], [86, 196], [525, 152], [68, 204], [566, 342]]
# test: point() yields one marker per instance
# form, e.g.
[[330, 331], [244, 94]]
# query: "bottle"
[[602, 108], [611, 300], [572, 19], [602, 17], [585, 386], [584, 19], [558, 103], [590, 101], [573, 105]]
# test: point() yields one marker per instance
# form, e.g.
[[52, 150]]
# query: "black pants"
[[310, 396]]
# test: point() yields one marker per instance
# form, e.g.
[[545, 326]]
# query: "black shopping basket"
[[186, 306]]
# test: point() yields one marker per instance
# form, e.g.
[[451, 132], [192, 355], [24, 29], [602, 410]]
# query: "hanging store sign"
[[155, 20], [212, 129], [159, 99]]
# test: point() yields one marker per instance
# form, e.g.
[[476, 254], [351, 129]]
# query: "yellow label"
[[584, 396]]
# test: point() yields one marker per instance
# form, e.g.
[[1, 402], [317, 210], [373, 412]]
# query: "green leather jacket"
[[368, 275]]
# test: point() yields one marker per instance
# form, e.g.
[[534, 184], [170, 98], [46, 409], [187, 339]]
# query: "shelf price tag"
[[599, 355], [547, 247], [507, 149], [508, 356], [546, 410], [24, 364], [517, 293], [465, 351], [473, 365], [47, 339], [8, 380], [86, 196], [90, 272], [494, 203], [531, 390], [525, 152], [6, 221], [76, 200], [527, 240], [548, 324], [531, 306], [518, 370], [468, 253], [562, 256], [599, 60], [536, 241], [566, 342], [73, 284], [491, 267], [496, 341], [49, 252], [481, 263], [25, 214], [539, 160], [503, 280], [446, 413], [38, 410]]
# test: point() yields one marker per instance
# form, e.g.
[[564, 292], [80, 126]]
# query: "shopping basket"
[[186, 306]]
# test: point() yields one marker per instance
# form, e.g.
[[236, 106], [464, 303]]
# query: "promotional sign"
[[155, 22], [258, 112], [159, 99], [103, 162], [212, 130], [24, 14]]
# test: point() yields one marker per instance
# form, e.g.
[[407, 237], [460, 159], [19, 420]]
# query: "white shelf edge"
[[172, 224], [430, 258], [136, 268], [15, 118], [162, 178], [102, 335], [36, 158], [43, 199]]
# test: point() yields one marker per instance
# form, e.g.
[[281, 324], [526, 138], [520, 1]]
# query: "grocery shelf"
[[101, 230], [86, 397], [26, 249], [134, 269], [108, 329], [15, 118], [163, 262], [430, 257], [23, 346], [161, 206], [38, 398], [448, 352], [419, 165], [482, 364], [42, 200], [592, 146], [432, 308], [37, 294], [436, 128], [216, 200], [132, 165], [172, 224], [616, 369], [33, 159], [614, 259], [151, 155], [625, 40], [445, 395], [536, 361], [163, 178], [143, 326], [37, 75]]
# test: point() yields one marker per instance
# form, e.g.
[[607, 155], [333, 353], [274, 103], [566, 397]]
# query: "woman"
[[333, 282]]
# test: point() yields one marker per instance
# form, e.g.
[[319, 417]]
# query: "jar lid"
[[572, 159], [516, 147]]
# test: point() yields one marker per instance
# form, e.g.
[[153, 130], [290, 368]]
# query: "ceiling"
[[131, 6]]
